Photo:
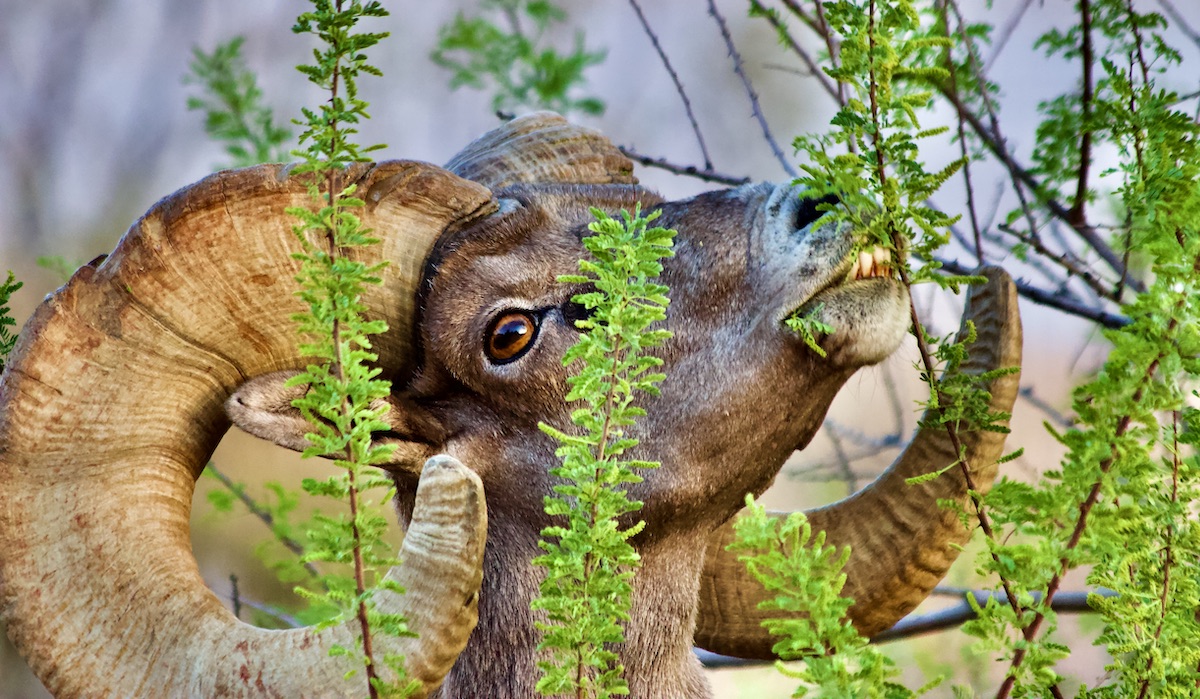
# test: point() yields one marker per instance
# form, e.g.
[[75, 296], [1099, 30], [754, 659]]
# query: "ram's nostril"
[[810, 210]]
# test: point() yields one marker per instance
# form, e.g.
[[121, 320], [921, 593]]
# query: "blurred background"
[[94, 128]]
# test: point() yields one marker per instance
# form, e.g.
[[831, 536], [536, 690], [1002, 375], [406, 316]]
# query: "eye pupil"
[[510, 336]]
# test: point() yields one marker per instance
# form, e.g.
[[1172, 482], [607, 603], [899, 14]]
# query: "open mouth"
[[869, 265], [865, 266]]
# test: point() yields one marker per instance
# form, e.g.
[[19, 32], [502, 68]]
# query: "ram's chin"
[[869, 318]]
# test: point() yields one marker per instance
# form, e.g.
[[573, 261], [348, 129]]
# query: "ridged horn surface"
[[542, 147], [902, 542], [112, 403]]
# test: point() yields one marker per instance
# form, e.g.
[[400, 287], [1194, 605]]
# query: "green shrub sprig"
[[232, 102], [523, 71], [806, 577], [589, 560], [342, 384], [8, 339]]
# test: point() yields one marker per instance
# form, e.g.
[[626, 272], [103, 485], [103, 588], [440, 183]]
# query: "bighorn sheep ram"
[[116, 396]]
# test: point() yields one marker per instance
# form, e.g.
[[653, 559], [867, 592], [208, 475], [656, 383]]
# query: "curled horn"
[[902, 543], [112, 403], [542, 147]]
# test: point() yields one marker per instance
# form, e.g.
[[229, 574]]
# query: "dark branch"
[[235, 597], [1052, 299], [1178, 21], [263, 514], [737, 68], [1010, 27], [910, 626], [687, 105], [288, 620], [686, 170], [952, 617], [1040, 403]]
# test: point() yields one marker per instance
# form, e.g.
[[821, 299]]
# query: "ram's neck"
[[501, 658]]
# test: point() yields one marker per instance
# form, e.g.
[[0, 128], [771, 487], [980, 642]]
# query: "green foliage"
[[8, 339], [809, 327], [1121, 503], [58, 265], [589, 561], [870, 158], [283, 552], [342, 384], [807, 581], [524, 73], [234, 113]]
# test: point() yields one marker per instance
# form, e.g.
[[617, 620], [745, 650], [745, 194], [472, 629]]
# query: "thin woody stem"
[[705, 175], [339, 368], [972, 214], [737, 68], [687, 104], [985, 523], [1078, 212]]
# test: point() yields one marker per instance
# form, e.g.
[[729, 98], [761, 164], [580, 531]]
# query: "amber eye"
[[510, 336]]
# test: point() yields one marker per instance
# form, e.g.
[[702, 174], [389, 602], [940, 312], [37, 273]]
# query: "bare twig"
[[834, 48], [1179, 21], [686, 170], [274, 612], [687, 105], [235, 597], [1051, 299], [1010, 27], [1074, 266], [972, 214], [737, 68], [1078, 208], [873, 444], [916, 625], [1040, 403], [263, 514], [843, 461], [889, 385], [786, 36]]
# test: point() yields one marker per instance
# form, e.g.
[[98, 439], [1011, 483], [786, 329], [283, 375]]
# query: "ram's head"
[[118, 394]]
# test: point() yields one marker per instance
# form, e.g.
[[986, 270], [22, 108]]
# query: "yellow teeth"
[[871, 264]]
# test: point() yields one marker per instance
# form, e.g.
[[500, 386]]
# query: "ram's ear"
[[263, 407]]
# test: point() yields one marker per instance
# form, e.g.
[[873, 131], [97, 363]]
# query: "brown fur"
[[742, 394]]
